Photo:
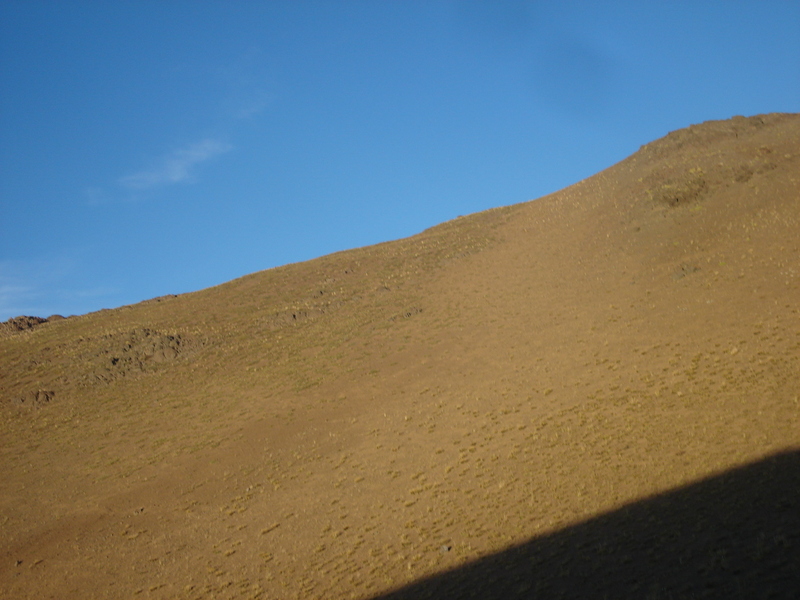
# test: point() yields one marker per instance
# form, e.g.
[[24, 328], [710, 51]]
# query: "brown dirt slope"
[[593, 393]]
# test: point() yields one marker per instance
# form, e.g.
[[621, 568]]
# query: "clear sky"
[[156, 147]]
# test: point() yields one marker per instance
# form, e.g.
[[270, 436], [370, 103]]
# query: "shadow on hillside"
[[736, 535]]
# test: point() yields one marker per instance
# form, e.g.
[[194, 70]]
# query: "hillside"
[[593, 393]]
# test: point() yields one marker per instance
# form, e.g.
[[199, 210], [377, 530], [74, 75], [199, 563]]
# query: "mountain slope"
[[348, 425]]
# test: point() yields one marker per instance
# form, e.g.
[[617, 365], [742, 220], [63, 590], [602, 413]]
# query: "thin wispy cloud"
[[176, 167], [14, 300], [44, 286], [22, 283], [254, 107], [13, 285]]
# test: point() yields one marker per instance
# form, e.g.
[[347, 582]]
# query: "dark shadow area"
[[735, 535]]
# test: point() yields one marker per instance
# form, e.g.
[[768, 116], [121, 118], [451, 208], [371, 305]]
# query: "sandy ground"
[[595, 394]]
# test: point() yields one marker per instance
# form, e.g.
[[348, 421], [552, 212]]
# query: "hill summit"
[[593, 393]]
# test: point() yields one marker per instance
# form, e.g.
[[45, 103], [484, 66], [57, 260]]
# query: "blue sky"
[[149, 148]]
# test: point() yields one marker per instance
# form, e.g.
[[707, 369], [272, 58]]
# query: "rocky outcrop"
[[25, 323]]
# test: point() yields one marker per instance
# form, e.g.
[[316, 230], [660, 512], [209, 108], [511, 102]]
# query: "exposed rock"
[[36, 399], [22, 323], [136, 351]]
